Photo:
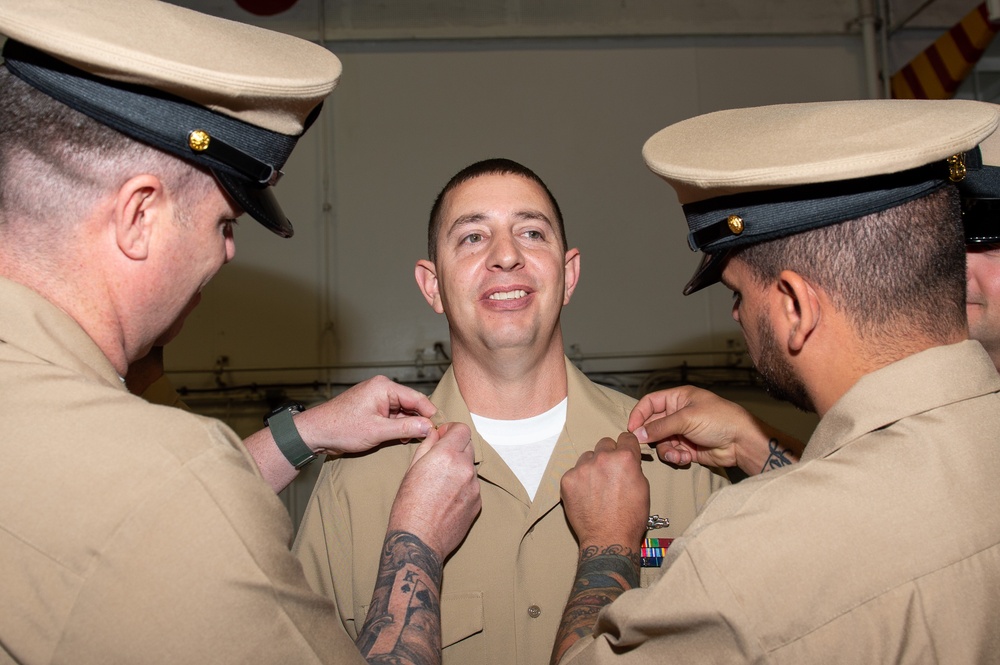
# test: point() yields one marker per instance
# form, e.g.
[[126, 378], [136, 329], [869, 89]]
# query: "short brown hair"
[[900, 268], [494, 166], [55, 161]]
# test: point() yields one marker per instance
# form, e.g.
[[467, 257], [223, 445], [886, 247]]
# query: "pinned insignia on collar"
[[657, 522]]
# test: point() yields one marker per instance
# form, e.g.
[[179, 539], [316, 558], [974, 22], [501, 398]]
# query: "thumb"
[[405, 427], [661, 429], [456, 436], [628, 442], [425, 446]]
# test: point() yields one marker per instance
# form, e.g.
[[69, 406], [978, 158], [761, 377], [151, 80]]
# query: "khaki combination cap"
[[744, 176], [226, 96], [980, 191]]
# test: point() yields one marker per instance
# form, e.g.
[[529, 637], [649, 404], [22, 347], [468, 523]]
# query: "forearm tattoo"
[[403, 625], [601, 576], [778, 456]]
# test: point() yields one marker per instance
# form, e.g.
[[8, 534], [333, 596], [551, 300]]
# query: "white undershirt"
[[525, 445]]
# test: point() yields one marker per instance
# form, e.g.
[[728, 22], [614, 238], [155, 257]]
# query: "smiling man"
[[981, 214], [692, 424], [132, 134], [501, 271]]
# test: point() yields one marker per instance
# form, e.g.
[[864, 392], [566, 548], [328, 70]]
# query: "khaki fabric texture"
[[259, 76], [505, 588], [767, 147], [881, 546], [135, 533]]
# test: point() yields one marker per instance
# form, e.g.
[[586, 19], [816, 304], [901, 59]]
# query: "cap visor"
[[709, 271], [259, 203], [981, 222]]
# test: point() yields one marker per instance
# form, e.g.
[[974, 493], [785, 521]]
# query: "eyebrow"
[[477, 217]]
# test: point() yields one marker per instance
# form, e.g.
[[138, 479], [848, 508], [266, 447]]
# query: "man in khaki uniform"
[[500, 270], [132, 134], [836, 229], [981, 214], [689, 424]]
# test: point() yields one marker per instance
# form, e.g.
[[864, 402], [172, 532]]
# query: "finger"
[[409, 400], [647, 407], [438, 419], [658, 404], [629, 443], [673, 425], [425, 447], [605, 445], [408, 427], [456, 436], [672, 454], [655, 416]]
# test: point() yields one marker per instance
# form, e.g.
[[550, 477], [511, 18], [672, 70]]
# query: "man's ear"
[[572, 273], [138, 203], [426, 276], [800, 309]]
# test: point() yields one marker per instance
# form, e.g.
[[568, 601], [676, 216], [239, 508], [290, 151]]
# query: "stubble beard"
[[776, 373]]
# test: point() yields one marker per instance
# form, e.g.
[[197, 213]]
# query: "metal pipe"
[[869, 25], [884, 18], [413, 364]]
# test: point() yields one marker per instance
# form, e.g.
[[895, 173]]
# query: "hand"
[[688, 424], [606, 496], [439, 497], [365, 415]]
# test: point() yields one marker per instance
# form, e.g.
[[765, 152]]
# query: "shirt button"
[[534, 611]]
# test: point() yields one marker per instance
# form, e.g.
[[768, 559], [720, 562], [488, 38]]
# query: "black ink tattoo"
[[404, 621], [777, 457], [601, 576]]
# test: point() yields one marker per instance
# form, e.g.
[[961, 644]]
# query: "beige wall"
[[407, 116]]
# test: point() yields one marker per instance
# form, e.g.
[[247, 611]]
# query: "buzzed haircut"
[[55, 162], [890, 272], [494, 166]]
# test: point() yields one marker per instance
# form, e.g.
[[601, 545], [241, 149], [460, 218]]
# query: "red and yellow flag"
[[937, 72]]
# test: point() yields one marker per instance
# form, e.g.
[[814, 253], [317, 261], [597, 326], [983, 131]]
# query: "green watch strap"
[[286, 435]]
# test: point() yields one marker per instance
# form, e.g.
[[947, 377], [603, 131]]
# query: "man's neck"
[[511, 384], [994, 356], [74, 288], [861, 359]]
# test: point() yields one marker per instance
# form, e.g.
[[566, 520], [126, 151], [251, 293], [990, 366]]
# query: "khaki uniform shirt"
[[162, 391], [134, 533], [505, 587], [881, 546]]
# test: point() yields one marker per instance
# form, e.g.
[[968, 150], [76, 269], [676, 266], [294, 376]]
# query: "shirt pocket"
[[461, 616]]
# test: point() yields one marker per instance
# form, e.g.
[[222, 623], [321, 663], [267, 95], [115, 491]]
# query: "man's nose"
[[505, 254]]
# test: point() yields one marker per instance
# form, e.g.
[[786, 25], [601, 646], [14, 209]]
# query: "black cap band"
[[728, 222], [245, 158], [980, 191]]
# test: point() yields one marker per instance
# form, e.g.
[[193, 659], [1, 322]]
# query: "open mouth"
[[508, 295]]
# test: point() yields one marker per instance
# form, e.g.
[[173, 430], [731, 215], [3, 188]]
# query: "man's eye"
[[534, 235], [473, 238], [737, 298], [228, 225]]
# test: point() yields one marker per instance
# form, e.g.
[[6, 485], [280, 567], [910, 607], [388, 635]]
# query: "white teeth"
[[508, 295]]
